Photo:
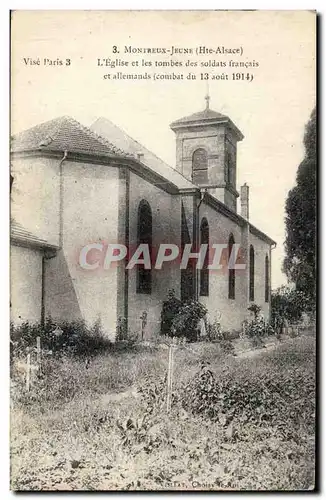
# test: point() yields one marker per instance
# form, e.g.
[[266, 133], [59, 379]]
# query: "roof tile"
[[63, 134], [21, 235]]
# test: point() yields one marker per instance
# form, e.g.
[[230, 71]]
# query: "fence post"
[[28, 372], [38, 352], [170, 379]]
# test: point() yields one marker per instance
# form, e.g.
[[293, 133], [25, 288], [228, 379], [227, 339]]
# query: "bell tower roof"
[[206, 117], [206, 152]]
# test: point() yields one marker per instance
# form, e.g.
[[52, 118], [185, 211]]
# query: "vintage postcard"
[[163, 263]]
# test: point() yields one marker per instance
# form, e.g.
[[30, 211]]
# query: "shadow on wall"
[[60, 299]]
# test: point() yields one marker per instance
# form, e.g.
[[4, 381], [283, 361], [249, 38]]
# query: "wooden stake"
[[28, 372], [170, 379], [38, 352]]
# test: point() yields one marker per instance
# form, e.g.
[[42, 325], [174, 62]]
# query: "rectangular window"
[[144, 280]]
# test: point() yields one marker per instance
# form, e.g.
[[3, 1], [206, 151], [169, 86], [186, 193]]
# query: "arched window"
[[231, 271], [199, 166], [204, 272], [266, 279], [251, 274], [144, 235]]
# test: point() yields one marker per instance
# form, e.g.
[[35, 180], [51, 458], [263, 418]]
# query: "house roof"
[[61, 134], [23, 237], [206, 117], [121, 139]]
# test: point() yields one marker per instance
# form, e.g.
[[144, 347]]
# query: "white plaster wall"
[[166, 214], [26, 284], [232, 311], [90, 215], [261, 249], [35, 196]]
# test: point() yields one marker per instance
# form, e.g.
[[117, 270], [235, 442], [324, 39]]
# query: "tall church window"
[[204, 272], [231, 271], [144, 235], [266, 279], [251, 274], [200, 166]]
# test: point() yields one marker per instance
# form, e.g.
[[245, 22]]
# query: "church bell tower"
[[206, 152]]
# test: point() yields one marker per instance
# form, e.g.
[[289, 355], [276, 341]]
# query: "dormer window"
[[200, 166]]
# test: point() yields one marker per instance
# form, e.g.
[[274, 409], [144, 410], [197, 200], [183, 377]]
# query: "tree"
[[300, 245]]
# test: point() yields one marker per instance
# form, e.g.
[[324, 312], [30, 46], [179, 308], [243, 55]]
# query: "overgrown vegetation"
[[124, 334], [171, 307], [214, 333], [68, 337], [288, 305], [242, 395], [180, 319], [239, 423]]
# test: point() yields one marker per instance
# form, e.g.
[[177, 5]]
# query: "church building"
[[73, 186]]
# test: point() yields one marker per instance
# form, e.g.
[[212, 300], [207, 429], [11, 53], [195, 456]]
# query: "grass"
[[87, 429]]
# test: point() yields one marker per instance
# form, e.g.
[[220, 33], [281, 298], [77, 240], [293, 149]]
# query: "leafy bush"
[[186, 322], [214, 331], [255, 309], [255, 328], [181, 319], [288, 304], [170, 309], [258, 327], [255, 331], [215, 334], [69, 337], [153, 393]]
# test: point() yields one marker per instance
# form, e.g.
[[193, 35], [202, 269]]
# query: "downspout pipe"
[[273, 246], [63, 159], [203, 193], [50, 255]]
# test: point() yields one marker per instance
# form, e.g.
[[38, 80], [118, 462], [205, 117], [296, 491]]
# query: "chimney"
[[244, 198]]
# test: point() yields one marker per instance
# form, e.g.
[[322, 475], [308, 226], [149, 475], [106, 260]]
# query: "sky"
[[271, 110]]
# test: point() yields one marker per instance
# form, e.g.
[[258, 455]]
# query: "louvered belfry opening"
[[200, 166]]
